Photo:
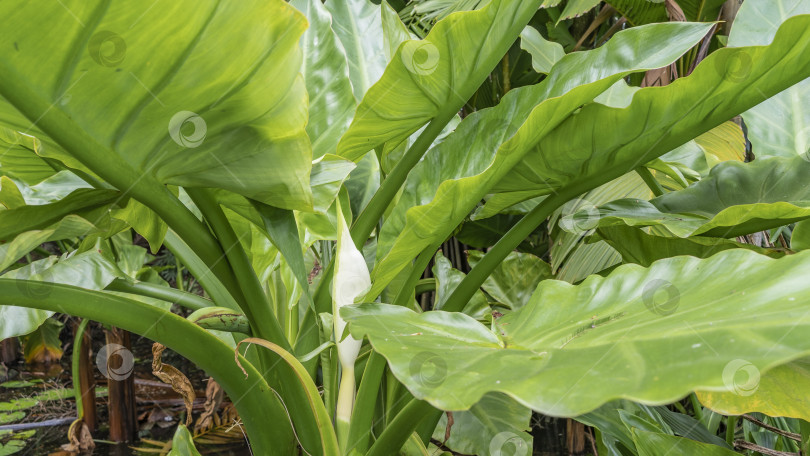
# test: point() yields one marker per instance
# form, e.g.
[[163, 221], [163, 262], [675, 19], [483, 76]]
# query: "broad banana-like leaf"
[[69, 227], [671, 115], [544, 53], [638, 247], [651, 443], [326, 74], [650, 335], [736, 199], [358, 25], [85, 202], [515, 279], [490, 427], [434, 77], [442, 189], [86, 270], [775, 393], [781, 124], [214, 99]]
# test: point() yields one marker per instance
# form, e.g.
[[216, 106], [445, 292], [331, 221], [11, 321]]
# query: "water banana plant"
[[310, 163]]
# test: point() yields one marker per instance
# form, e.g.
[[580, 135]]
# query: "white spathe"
[[351, 280]]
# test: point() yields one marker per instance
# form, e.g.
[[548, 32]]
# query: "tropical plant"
[[305, 162]]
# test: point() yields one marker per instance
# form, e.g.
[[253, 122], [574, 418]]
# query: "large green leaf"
[[638, 247], [432, 78], [488, 428], [652, 443], [650, 335], [737, 198], [774, 393], [86, 270], [443, 188], [83, 201], [69, 227], [780, 125], [326, 73], [358, 24], [657, 120], [185, 93]]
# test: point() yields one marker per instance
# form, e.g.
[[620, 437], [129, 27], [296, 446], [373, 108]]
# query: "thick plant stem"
[[151, 290], [78, 387], [731, 424], [259, 312], [255, 401], [406, 293], [466, 289], [363, 413], [202, 273], [345, 404], [255, 306], [400, 429], [650, 180], [370, 216]]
